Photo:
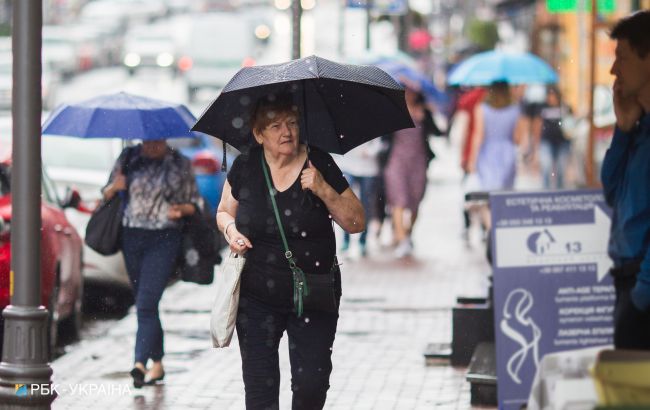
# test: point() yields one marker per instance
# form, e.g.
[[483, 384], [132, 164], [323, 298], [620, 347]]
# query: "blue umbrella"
[[492, 66], [121, 115], [412, 78]]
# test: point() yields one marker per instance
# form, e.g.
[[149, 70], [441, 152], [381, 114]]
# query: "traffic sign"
[[570, 6]]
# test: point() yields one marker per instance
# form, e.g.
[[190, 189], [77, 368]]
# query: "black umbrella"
[[342, 105]]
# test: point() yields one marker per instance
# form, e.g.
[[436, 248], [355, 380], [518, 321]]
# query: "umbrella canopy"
[[342, 106], [492, 66], [121, 115], [412, 78]]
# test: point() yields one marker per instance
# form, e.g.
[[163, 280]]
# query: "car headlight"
[[132, 60], [164, 59], [262, 32]]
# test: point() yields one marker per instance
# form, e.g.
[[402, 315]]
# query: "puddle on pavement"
[[353, 333], [190, 334], [186, 311], [186, 354], [124, 374], [365, 300]]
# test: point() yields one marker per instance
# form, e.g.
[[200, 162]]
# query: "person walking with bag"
[[277, 208], [554, 144], [160, 190], [625, 175]]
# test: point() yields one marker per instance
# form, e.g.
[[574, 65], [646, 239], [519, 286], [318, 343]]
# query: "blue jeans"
[[367, 193], [259, 330], [150, 257], [554, 158]]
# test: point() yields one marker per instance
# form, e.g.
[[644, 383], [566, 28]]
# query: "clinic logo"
[[21, 390]]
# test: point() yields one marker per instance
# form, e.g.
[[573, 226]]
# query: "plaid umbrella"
[[342, 106]]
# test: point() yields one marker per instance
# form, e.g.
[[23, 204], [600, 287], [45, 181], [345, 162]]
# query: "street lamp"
[[25, 349]]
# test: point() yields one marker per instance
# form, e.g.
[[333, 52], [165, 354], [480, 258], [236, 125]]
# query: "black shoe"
[[151, 382], [138, 377]]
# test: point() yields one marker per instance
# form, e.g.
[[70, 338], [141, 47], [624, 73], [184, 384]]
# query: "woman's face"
[[552, 99], [154, 149], [281, 135]]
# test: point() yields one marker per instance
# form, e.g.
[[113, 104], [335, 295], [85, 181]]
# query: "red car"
[[61, 257]]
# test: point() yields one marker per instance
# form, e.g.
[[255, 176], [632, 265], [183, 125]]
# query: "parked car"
[[85, 165], [61, 255]]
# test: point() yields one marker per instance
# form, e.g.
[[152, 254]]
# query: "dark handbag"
[[320, 292], [199, 253], [104, 229]]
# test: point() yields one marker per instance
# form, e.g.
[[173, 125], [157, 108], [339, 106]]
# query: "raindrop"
[[306, 253], [341, 136], [306, 320], [270, 283], [331, 348], [317, 263], [237, 122], [245, 100], [269, 382], [303, 234], [329, 216], [287, 212]]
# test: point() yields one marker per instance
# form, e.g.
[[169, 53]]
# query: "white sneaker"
[[404, 248]]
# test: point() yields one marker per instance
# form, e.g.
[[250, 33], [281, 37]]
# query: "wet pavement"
[[391, 310]]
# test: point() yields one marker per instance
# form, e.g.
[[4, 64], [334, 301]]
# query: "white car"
[[149, 46], [85, 164], [216, 47]]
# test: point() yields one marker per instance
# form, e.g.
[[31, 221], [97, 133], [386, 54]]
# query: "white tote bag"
[[226, 302]]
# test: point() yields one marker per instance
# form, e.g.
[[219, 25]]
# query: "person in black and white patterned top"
[[160, 190]]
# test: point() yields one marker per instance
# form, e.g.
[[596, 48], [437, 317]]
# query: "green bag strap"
[[300, 288]]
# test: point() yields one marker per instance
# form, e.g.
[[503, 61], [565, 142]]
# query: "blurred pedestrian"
[[246, 217], [360, 167], [498, 130], [554, 143], [625, 175], [463, 124], [160, 190], [405, 175]]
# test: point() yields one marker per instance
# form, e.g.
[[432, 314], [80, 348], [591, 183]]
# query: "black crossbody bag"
[[320, 292]]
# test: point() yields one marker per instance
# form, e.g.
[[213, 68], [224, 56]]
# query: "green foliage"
[[483, 33]]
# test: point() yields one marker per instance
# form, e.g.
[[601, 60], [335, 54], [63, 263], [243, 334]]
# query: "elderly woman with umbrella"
[[278, 205], [158, 186]]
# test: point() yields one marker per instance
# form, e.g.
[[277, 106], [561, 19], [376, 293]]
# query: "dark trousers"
[[367, 193], [259, 329], [631, 326], [150, 257]]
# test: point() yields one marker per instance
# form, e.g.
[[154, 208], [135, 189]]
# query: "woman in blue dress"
[[499, 128]]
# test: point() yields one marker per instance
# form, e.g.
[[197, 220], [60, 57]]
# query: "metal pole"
[[296, 15], [25, 349], [368, 22], [341, 27], [589, 160]]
